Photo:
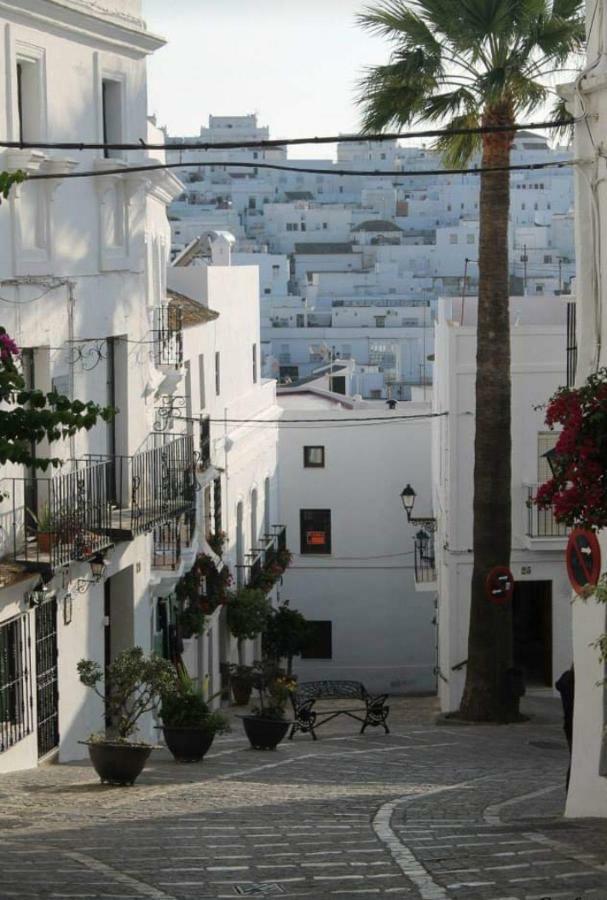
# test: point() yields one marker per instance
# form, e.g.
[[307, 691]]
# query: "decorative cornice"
[[88, 19]]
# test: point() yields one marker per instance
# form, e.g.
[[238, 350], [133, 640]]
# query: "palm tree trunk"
[[490, 630]]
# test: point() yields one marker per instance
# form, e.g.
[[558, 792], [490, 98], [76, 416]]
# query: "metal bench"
[[308, 719]]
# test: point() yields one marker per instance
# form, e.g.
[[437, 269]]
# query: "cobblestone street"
[[428, 811]]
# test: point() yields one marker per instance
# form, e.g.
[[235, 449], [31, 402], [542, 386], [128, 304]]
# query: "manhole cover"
[[265, 889], [548, 745]]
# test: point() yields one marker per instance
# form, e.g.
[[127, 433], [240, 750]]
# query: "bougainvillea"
[[31, 416], [200, 591], [577, 492]]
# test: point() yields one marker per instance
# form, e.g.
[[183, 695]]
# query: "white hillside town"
[[239, 457]]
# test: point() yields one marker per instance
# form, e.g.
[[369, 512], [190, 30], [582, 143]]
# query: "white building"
[[588, 98], [353, 573], [83, 271], [542, 608]]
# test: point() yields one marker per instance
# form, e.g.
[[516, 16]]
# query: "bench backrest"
[[315, 690]]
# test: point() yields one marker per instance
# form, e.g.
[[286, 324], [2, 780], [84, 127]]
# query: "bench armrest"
[[375, 701]]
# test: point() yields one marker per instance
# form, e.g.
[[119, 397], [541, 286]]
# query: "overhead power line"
[[367, 173], [317, 421], [286, 142]]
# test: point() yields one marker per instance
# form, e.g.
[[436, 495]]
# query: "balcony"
[[425, 563], [47, 523], [250, 573], [167, 336], [171, 538], [542, 531], [151, 487]]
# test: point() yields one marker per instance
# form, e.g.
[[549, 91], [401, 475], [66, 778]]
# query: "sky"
[[293, 62]]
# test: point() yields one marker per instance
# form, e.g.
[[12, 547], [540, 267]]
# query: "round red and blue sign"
[[583, 559], [499, 584]]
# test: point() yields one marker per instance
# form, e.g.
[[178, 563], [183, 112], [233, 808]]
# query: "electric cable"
[[286, 142], [342, 173]]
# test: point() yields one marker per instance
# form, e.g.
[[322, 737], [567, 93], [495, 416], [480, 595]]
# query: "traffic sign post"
[[499, 585], [583, 559]]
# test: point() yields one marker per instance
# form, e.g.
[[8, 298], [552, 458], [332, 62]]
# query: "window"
[[217, 374], [319, 641], [314, 457], [325, 226], [254, 363], [201, 380], [267, 290], [315, 530], [111, 105], [275, 271], [547, 258], [453, 239], [470, 238], [380, 321], [546, 441], [29, 108], [217, 517]]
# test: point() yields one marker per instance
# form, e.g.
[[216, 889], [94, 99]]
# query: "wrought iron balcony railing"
[[171, 538], [425, 563], [153, 486], [261, 557], [541, 522], [168, 336], [46, 523]]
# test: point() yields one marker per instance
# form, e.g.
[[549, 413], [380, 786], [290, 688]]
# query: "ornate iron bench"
[[307, 719]]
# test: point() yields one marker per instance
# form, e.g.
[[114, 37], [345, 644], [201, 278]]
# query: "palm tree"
[[470, 63]]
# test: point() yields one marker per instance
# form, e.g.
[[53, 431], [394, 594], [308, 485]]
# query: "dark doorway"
[[532, 630]]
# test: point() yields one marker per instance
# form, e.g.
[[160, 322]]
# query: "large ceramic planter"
[[264, 734], [117, 763], [187, 744], [241, 689]]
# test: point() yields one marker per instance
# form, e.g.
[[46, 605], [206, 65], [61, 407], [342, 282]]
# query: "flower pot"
[[118, 763], [46, 541], [241, 689], [187, 744], [264, 734]]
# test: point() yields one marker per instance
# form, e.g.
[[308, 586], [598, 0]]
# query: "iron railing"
[[170, 538], [261, 557], [16, 701], [168, 336], [571, 344], [541, 522], [47, 684], [425, 563], [154, 485], [51, 522]]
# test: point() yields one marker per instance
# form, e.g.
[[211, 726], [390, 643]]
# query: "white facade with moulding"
[[587, 98], [542, 629], [82, 280], [375, 627]]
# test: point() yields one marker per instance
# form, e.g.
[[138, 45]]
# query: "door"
[[532, 630], [47, 693]]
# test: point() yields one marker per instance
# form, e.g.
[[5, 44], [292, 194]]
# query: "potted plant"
[[267, 724], [241, 682], [134, 684], [216, 542], [45, 528], [285, 635], [248, 612], [188, 725]]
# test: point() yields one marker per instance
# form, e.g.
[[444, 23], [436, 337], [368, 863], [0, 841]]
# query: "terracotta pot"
[[46, 541], [187, 744], [264, 734], [117, 763]]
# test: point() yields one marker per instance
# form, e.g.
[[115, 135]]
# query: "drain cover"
[[266, 889], [548, 745]]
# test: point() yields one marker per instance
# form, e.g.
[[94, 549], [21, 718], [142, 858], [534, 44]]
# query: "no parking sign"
[[499, 584], [583, 559]]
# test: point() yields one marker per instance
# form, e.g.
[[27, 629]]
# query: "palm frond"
[[457, 149], [558, 112]]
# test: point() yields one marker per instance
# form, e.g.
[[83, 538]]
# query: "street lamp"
[[407, 496], [98, 566], [553, 457]]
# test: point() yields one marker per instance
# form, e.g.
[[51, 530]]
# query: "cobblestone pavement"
[[427, 812]]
